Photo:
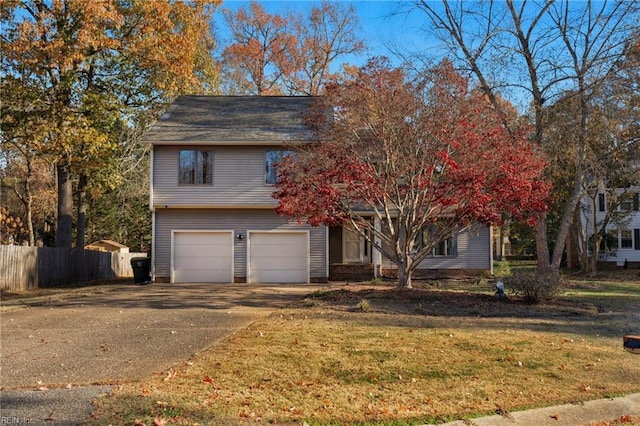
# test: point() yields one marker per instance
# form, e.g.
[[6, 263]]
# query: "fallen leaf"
[[556, 416], [158, 422], [207, 379], [170, 375]]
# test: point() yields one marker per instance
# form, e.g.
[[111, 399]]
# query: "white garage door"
[[202, 257], [278, 257]]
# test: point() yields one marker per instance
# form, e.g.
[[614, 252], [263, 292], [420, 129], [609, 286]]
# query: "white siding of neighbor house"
[[631, 223], [239, 221], [238, 179], [474, 252]]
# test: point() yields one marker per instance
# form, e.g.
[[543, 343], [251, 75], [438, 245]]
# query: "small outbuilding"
[[107, 246]]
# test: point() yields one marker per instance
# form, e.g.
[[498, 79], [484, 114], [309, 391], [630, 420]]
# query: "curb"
[[586, 413]]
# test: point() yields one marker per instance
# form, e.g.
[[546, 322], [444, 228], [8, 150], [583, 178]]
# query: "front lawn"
[[377, 355]]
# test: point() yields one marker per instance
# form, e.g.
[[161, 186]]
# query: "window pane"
[[626, 239], [271, 169], [448, 247], [204, 167], [196, 167], [187, 167], [271, 158], [453, 247]]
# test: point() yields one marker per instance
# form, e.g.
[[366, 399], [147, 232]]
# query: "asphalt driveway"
[[106, 336]]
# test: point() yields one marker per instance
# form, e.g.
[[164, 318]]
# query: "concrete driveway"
[[108, 335]]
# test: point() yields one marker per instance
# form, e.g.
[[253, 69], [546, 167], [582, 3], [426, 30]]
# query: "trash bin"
[[141, 270]]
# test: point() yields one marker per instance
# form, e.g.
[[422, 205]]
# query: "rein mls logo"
[[15, 421]]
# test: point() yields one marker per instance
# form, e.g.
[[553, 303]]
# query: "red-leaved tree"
[[394, 157]]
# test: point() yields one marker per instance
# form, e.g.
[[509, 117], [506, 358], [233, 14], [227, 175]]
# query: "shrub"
[[363, 306], [533, 287], [502, 269]]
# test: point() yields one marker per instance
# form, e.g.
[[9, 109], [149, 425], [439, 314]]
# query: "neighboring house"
[[622, 242], [214, 220]]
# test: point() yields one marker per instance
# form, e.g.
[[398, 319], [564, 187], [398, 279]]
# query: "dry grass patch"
[[421, 356]]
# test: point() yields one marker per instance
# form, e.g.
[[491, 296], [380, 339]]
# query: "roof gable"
[[232, 119]]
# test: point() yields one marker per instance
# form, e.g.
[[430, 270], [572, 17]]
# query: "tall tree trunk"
[[405, 264], [65, 205], [81, 219], [565, 225], [404, 276], [25, 198], [28, 204], [543, 255]]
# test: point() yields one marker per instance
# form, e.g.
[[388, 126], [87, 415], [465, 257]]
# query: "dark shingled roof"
[[232, 119]]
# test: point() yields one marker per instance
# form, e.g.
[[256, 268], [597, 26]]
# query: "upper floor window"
[[601, 203], [196, 167], [272, 158], [630, 203]]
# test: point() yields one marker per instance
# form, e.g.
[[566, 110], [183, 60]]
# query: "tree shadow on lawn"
[[587, 315]]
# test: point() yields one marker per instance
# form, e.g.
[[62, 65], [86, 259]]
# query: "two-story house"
[[618, 211], [214, 220]]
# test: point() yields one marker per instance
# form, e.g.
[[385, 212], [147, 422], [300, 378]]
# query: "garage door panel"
[[202, 276], [279, 251], [211, 263], [279, 257], [204, 238], [203, 257], [282, 276], [201, 251]]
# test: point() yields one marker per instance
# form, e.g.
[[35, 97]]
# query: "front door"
[[354, 247]]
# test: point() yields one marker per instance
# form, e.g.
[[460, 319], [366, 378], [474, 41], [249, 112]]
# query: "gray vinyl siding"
[[474, 252], [238, 178], [240, 221]]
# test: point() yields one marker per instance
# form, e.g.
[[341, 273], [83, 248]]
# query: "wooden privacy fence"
[[26, 268]]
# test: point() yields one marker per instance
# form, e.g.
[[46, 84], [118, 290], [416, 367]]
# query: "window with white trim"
[[626, 239], [630, 202], [195, 167], [601, 203], [272, 158]]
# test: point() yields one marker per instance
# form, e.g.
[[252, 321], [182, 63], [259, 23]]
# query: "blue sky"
[[380, 26]]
